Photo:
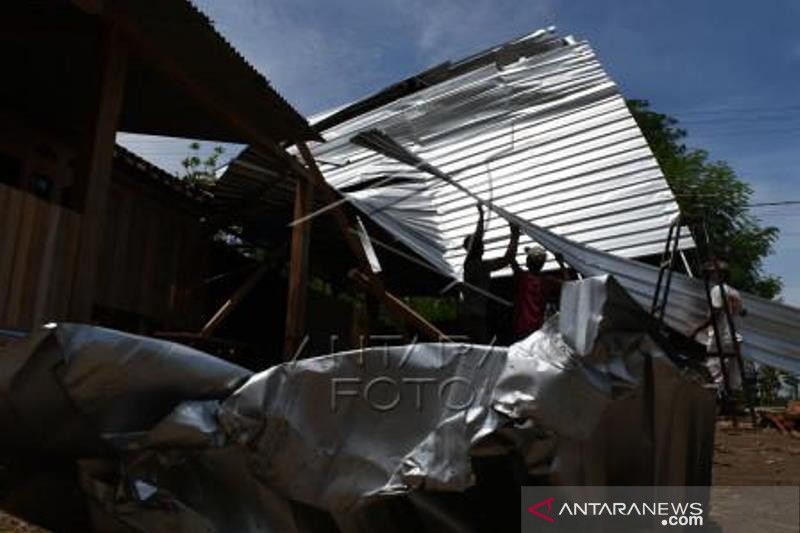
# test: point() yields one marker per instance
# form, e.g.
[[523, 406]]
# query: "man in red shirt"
[[534, 291]]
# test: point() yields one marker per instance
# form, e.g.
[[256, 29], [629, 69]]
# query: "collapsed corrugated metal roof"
[[535, 124], [771, 330]]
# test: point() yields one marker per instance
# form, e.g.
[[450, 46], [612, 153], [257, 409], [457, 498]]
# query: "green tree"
[[768, 385], [201, 171], [711, 190]]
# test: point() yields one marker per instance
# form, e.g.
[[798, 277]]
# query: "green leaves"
[[199, 171], [712, 191]]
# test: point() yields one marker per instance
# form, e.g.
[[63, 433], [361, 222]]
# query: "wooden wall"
[[38, 247], [153, 260]]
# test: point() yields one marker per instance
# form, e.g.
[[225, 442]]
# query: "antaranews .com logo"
[[673, 514], [560, 509]]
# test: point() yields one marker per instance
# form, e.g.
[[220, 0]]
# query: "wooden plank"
[[398, 307], [105, 268], [55, 290], [134, 255], [34, 263], [174, 269], [120, 225], [145, 302], [193, 260], [200, 246], [6, 243], [42, 308], [20, 263], [777, 422], [401, 313], [70, 261], [164, 245], [10, 220], [231, 303], [98, 164], [298, 271], [64, 265]]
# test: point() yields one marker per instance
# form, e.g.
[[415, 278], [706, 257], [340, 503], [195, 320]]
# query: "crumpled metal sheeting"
[[311, 416], [600, 317], [354, 435], [543, 133], [139, 416], [530, 398], [771, 330], [183, 489], [679, 453], [594, 394], [67, 384]]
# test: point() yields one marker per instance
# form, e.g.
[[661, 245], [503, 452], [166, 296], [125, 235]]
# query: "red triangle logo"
[[532, 509]]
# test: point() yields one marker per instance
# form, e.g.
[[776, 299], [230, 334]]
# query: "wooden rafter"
[[298, 270], [402, 313]]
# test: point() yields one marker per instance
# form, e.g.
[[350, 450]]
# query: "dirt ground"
[[755, 456], [9, 524]]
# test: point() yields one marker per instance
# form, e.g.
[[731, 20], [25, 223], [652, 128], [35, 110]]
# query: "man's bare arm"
[[562, 268], [477, 236], [511, 253]]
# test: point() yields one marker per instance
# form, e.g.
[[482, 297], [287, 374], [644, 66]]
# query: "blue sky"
[[729, 70]]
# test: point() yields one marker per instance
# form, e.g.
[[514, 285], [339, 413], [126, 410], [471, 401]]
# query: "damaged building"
[[306, 392]]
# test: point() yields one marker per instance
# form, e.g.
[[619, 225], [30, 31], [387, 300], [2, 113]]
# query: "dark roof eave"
[[174, 45]]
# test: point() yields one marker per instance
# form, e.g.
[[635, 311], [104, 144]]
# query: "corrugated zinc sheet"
[[770, 330], [536, 125]]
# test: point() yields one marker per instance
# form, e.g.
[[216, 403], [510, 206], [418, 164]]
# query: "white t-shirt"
[[735, 307]]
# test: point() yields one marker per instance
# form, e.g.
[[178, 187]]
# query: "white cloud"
[[449, 29], [323, 55], [311, 66]]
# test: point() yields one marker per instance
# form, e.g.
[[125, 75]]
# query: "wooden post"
[[97, 170], [398, 308], [298, 270], [400, 312], [231, 303]]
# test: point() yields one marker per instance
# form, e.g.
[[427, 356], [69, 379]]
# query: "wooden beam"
[[298, 270], [231, 303], [96, 170], [398, 307], [400, 312]]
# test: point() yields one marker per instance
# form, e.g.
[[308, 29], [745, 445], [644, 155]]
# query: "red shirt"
[[534, 291]]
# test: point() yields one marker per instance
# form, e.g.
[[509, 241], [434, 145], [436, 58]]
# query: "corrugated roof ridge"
[[434, 75]]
